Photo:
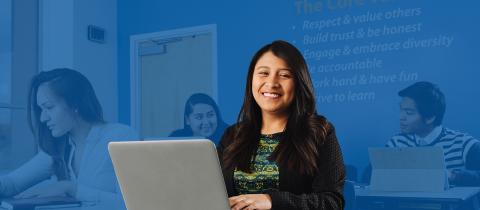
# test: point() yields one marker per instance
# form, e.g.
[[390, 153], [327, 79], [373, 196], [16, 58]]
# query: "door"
[[171, 66]]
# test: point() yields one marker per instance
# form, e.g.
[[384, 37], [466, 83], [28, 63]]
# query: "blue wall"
[[245, 26]]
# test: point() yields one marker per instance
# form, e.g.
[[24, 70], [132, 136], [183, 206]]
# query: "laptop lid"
[[169, 174], [408, 169]]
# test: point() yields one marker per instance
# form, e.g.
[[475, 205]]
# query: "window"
[[5, 76], [18, 63]]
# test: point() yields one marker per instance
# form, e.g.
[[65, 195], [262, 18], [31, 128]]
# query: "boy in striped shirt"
[[421, 113]]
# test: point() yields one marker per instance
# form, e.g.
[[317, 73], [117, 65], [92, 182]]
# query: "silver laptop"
[[412, 169], [169, 174]]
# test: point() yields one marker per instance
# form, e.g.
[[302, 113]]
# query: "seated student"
[[421, 113], [201, 118], [66, 119]]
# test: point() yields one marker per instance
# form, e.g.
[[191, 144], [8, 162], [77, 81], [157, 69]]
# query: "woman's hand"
[[250, 202], [60, 188]]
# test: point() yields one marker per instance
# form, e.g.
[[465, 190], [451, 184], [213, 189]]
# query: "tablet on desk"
[[414, 169], [169, 174]]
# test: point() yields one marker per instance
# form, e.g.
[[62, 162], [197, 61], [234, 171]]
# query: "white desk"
[[95, 207], [453, 198]]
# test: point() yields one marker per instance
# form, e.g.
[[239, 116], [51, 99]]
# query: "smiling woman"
[[281, 154], [272, 84], [202, 118]]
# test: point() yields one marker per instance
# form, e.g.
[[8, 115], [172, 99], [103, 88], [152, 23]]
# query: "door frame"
[[135, 65]]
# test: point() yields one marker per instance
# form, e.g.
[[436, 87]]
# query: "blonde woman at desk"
[[66, 119]]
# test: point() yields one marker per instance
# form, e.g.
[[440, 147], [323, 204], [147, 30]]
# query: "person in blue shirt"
[[202, 118]]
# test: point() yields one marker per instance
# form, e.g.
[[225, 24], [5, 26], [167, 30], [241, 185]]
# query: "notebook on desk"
[[412, 169], [39, 203]]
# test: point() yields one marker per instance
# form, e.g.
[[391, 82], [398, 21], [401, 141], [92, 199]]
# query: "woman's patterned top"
[[265, 172]]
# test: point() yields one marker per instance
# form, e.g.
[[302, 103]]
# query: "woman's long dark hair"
[[77, 92], [304, 132]]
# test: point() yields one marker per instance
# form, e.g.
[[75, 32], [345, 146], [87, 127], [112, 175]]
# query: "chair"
[[351, 172], [349, 195]]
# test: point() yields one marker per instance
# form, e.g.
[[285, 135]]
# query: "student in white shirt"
[[66, 119]]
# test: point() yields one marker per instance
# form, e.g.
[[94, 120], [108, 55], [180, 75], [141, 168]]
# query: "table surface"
[[460, 193]]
